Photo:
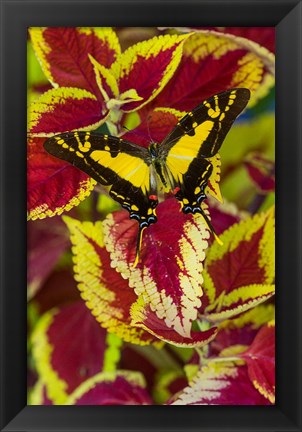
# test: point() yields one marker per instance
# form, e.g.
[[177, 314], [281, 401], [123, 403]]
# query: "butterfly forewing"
[[111, 161], [206, 126], [196, 138], [103, 157]]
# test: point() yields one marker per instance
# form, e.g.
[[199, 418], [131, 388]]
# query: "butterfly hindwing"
[[192, 190]]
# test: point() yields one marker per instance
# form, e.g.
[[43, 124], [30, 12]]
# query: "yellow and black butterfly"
[[179, 163]]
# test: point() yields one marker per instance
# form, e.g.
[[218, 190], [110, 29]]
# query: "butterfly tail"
[[207, 220], [138, 245]]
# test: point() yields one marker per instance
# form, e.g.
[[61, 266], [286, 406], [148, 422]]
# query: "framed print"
[[156, 134]]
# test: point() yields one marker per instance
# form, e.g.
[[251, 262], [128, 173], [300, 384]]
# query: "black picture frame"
[[16, 17]]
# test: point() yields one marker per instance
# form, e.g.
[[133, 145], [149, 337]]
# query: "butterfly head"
[[153, 149]]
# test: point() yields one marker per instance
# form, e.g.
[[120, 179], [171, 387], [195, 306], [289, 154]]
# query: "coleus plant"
[[186, 296]]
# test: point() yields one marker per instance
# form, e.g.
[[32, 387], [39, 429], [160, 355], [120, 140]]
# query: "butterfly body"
[[181, 163]]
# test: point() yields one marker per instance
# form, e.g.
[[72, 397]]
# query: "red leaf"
[[106, 293], [78, 344], [240, 267], [212, 63], [264, 36], [210, 77], [68, 348], [155, 127], [240, 273], [144, 317], [234, 336], [64, 109], [169, 274], [118, 391], [221, 384], [63, 52], [260, 359], [46, 241], [223, 215], [49, 296], [243, 263], [262, 172], [241, 331], [53, 186], [147, 67]]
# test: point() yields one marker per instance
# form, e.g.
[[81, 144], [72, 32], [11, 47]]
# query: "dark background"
[[16, 17]]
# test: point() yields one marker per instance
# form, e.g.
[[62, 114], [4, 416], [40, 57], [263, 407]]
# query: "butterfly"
[[180, 163]]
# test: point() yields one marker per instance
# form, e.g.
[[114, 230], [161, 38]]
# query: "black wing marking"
[[78, 148], [198, 136], [116, 162], [191, 193], [221, 110]]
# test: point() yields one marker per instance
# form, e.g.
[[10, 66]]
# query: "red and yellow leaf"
[[38, 395], [112, 388], [64, 109], [264, 36], [105, 292], [169, 274], [262, 172], [147, 67], [240, 273], [168, 384], [241, 331], [106, 81], [240, 141], [68, 347], [63, 53], [243, 132], [53, 186], [144, 317], [217, 62], [266, 57], [260, 359], [155, 127], [220, 384], [224, 215]]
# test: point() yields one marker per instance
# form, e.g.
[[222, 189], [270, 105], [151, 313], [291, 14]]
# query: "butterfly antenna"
[[138, 245], [207, 220], [148, 128]]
